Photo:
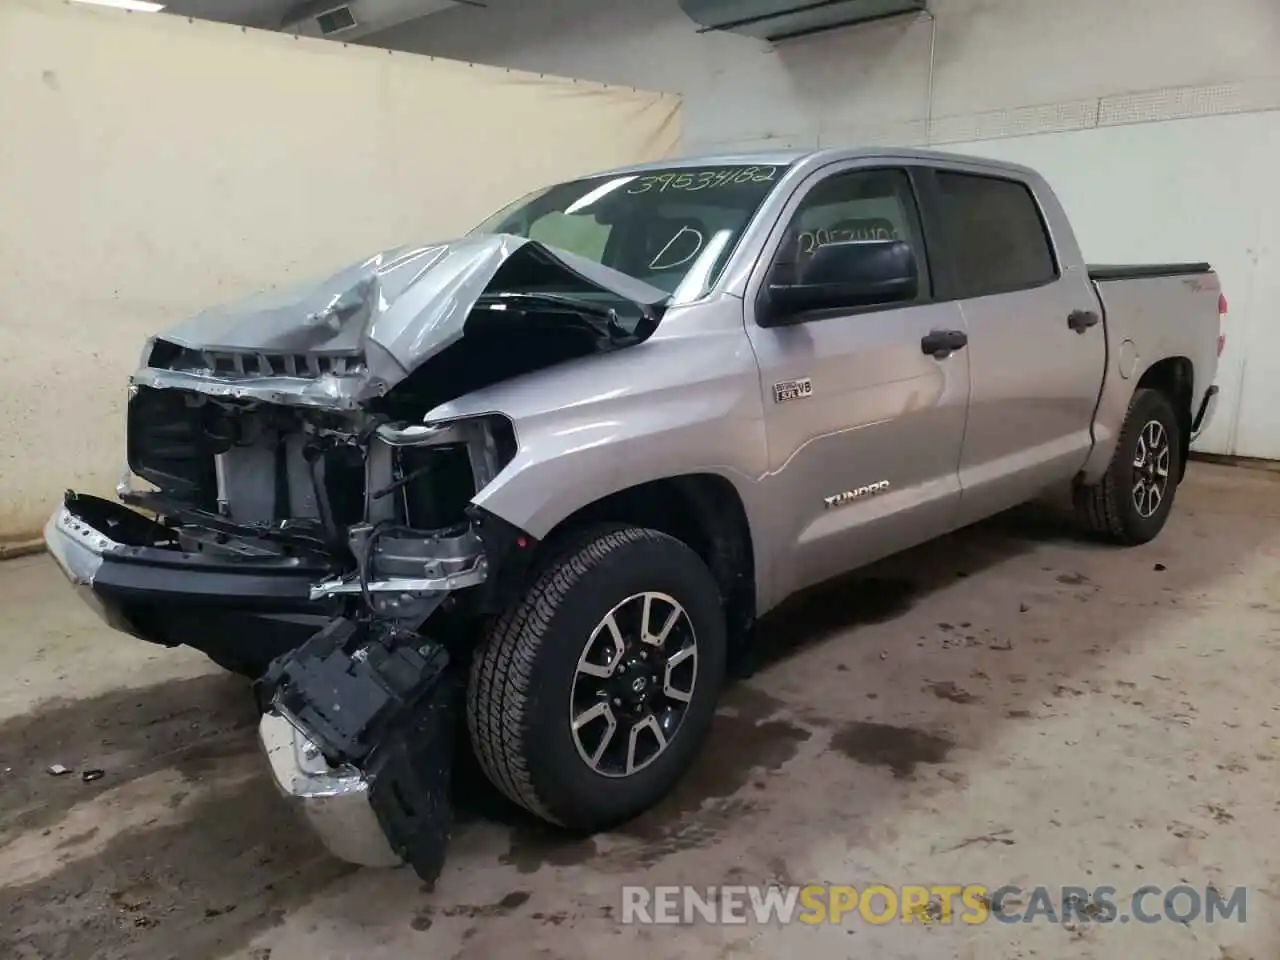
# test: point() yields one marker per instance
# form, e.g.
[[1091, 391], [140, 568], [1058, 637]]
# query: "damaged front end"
[[362, 724], [309, 524]]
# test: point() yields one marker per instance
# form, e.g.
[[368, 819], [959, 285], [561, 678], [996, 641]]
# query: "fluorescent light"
[[138, 6]]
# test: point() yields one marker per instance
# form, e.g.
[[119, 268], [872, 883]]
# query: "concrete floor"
[[1009, 705]]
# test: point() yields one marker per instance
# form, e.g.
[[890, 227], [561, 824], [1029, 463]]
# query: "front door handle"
[[1081, 320], [943, 343]]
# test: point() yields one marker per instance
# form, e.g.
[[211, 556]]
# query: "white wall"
[[991, 60], [153, 166], [1157, 120]]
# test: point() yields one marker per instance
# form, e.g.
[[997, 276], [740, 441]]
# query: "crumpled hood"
[[372, 323]]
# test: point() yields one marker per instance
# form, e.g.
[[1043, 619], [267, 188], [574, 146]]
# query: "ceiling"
[[370, 15], [766, 19]]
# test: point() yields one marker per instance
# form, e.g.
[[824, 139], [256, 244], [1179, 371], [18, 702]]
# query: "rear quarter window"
[[996, 237]]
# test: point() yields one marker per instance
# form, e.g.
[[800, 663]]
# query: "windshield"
[[673, 228]]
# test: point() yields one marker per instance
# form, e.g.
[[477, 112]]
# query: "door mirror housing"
[[846, 275]]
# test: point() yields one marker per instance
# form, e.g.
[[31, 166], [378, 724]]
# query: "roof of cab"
[[817, 158]]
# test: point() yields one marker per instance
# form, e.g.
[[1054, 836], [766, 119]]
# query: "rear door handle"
[[943, 343], [1081, 320]]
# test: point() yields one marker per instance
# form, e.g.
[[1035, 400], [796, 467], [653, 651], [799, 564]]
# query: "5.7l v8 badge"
[[792, 390]]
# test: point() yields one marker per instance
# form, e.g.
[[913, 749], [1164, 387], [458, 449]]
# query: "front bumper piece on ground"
[[334, 802], [368, 819], [361, 730], [361, 734]]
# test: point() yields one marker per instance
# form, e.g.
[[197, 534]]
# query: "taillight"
[[1222, 322]]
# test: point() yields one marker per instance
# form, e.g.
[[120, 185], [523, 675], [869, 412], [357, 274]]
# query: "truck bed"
[[1166, 314], [1138, 271]]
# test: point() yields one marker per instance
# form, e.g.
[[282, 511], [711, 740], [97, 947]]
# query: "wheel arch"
[[703, 510], [1174, 377]]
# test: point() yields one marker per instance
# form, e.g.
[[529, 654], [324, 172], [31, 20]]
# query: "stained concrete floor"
[[1007, 706]]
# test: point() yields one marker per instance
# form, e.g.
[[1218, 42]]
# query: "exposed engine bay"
[[303, 448], [385, 507], [385, 503], [295, 426]]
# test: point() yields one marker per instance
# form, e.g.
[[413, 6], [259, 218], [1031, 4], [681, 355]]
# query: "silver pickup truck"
[[547, 476]]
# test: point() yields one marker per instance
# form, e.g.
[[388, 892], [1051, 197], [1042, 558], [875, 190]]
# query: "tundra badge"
[[792, 390], [840, 499]]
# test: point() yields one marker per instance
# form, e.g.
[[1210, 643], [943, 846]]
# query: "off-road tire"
[[518, 694], [1107, 509]]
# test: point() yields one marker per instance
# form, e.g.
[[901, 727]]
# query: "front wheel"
[[1133, 500], [589, 698]]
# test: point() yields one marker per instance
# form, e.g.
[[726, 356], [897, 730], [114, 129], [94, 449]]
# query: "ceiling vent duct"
[[320, 19], [783, 19], [336, 20]]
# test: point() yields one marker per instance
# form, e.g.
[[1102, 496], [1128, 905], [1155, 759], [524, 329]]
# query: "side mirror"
[[853, 274]]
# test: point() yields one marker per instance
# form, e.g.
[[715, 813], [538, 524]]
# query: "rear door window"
[[996, 239]]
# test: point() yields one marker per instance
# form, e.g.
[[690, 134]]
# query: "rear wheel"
[[1132, 501], [590, 697]]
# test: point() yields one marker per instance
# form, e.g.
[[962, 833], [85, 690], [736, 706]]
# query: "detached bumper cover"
[[363, 724], [76, 547], [80, 550], [242, 613], [105, 545]]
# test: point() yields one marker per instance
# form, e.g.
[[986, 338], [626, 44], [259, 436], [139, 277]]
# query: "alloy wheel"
[[633, 684], [1151, 469]]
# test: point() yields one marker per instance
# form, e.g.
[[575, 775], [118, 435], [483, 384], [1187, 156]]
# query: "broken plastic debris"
[[58, 770], [90, 775]]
